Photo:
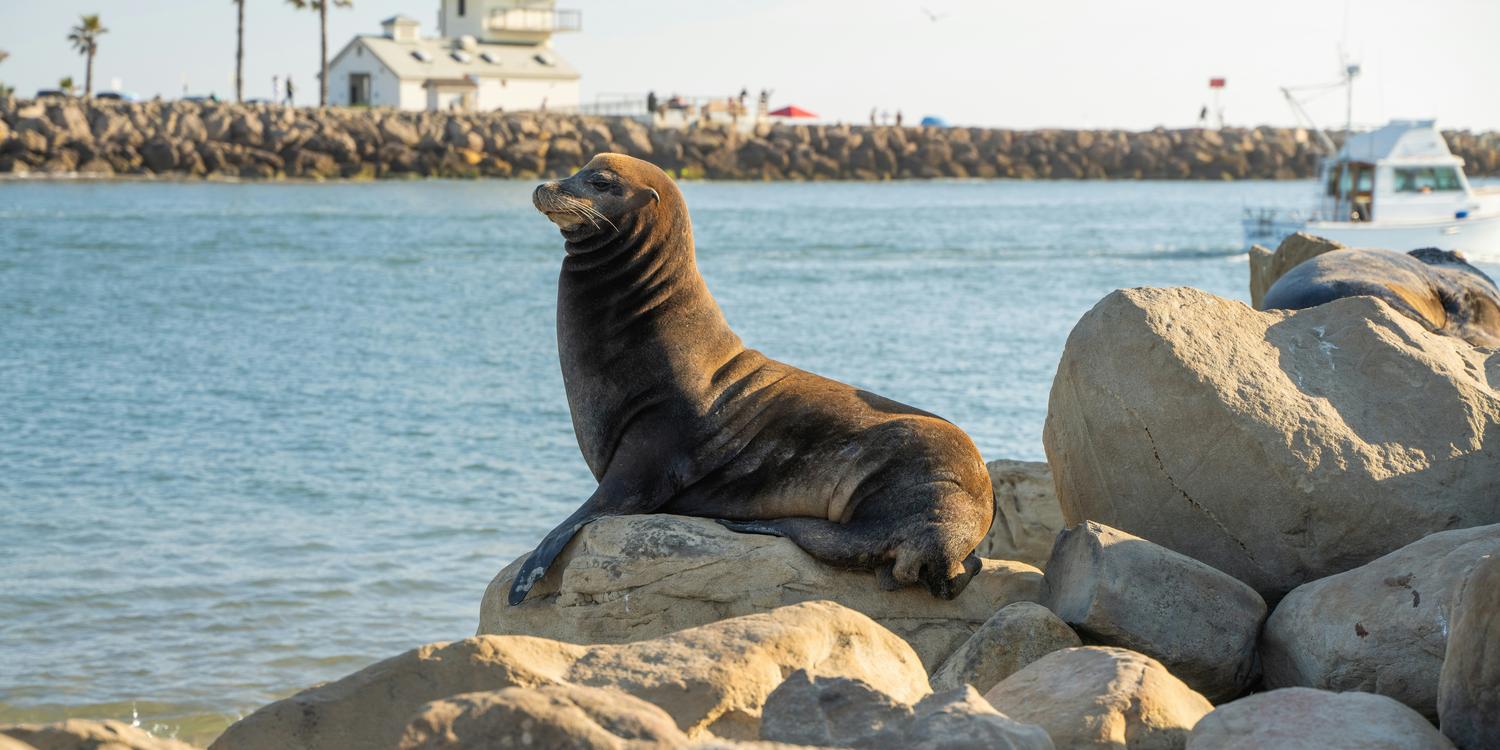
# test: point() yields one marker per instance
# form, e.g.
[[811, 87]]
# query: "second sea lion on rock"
[[674, 415], [1437, 288]]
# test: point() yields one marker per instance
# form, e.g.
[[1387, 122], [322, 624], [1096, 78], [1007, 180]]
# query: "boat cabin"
[[1403, 171]]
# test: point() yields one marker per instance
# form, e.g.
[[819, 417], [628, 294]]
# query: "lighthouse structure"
[[489, 55]]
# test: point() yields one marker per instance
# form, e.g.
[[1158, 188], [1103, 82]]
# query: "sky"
[[1002, 63]]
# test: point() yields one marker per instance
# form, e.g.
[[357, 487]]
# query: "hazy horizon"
[[1076, 63]]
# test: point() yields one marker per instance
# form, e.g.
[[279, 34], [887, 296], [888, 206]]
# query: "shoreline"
[[190, 141]]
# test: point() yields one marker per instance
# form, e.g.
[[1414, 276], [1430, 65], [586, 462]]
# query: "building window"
[[359, 89], [461, 5]]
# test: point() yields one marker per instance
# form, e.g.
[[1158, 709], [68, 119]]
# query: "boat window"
[[1426, 179]]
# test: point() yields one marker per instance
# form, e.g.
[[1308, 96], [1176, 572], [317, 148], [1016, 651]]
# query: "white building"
[[491, 54]]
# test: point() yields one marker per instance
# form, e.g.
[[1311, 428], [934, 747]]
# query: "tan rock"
[[1121, 590], [87, 734], [713, 678], [1017, 635], [561, 716], [1380, 628], [1101, 697], [839, 712], [1278, 447], [9, 743], [1469, 685], [1027, 515], [1306, 719], [1266, 266], [632, 577]]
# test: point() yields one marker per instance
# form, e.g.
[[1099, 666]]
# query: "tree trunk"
[[239, 56], [88, 75], [323, 31]]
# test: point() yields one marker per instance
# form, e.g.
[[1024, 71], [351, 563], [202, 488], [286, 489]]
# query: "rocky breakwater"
[[222, 140]]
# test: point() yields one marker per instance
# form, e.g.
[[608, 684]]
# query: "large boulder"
[[85, 734], [1015, 636], [1278, 447], [1027, 515], [562, 716], [1469, 686], [1380, 628], [1267, 266], [845, 713], [1121, 590], [632, 577], [1101, 697], [713, 678], [1307, 719]]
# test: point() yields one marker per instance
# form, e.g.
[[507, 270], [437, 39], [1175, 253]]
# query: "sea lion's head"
[[609, 197]]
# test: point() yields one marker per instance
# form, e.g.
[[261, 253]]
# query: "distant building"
[[491, 54]]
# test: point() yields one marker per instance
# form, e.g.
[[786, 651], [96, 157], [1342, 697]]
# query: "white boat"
[[1397, 188]]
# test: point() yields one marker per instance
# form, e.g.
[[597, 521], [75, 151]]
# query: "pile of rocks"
[[222, 140], [1268, 529]]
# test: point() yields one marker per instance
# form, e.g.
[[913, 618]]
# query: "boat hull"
[[1476, 236]]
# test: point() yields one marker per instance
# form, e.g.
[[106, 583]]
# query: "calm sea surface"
[[253, 437]]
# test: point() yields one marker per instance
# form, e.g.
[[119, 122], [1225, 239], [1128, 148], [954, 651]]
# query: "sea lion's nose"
[[542, 196]]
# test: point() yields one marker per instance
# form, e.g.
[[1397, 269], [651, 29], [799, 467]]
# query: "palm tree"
[[239, 54], [85, 39], [321, 6]]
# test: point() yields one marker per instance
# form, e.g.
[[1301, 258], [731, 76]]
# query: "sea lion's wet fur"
[[1437, 288], [674, 415]]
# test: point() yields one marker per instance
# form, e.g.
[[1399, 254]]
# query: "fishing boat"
[[1398, 188]]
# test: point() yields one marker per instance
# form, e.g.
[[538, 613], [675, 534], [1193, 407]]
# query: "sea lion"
[[674, 415], [1437, 288]]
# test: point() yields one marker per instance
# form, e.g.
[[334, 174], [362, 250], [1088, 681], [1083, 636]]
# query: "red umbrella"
[[792, 111]]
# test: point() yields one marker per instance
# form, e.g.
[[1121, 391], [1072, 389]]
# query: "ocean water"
[[257, 436]]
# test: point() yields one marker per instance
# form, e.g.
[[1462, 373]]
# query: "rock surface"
[[1101, 697], [1307, 719], [839, 712], [268, 142], [1015, 636], [1267, 266], [633, 577], [1027, 515], [1380, 628], [1277, 447], [1121, 590], [713, 678], [84, 734], [1469, 685], [570, 716]]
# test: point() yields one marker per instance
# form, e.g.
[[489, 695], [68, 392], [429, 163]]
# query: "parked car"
[[51, 94]]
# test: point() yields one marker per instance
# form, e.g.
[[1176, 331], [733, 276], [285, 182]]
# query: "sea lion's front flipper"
[[610, 499]]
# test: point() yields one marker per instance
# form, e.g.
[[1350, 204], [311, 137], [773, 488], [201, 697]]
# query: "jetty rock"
[[845, 713], [1278, 447], [712, 679], [1027, 514], [562, 716], [1101, 697], [1380, 628], [84, 734], [627, 578], [1469, 685], [1017, 635], [1267, 266], [1308, 719], [1120, 590]]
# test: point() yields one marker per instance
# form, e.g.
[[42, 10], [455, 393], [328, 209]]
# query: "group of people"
[[734, 106], [882, 117], [290, 91]]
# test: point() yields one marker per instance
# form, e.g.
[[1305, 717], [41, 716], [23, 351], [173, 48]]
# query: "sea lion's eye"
[[601, 184]]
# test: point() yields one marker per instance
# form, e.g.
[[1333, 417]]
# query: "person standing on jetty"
[[291, 92], [275, 88], [898, 118]]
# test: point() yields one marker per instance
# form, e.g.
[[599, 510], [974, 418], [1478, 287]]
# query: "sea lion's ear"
[[655, 196]]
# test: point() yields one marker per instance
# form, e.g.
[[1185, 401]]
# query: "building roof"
[[398, 18], [1400, 140], [481, 60]]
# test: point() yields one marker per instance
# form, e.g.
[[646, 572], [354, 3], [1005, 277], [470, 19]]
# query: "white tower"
[[527, 22]]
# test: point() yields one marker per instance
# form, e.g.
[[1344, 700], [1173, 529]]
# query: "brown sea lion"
[[1437, 288], [674, 415]]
